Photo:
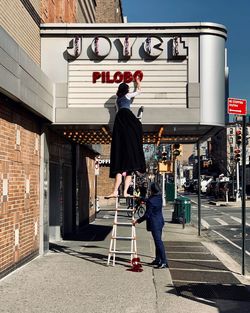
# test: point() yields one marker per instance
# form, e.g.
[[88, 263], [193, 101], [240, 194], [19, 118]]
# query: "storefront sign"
[[117, 77], [152, 46]]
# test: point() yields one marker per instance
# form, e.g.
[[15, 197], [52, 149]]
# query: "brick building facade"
[[109, 11], [68, 11], [19, 187], [47, 184]]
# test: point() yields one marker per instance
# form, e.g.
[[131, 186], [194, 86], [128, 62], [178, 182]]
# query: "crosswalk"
[[220, 221], [224, 225], [212, 217], [238, 220], [209, 221]]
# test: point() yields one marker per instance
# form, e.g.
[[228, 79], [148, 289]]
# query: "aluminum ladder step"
[[121, 252], [125, 210], [123, 238]]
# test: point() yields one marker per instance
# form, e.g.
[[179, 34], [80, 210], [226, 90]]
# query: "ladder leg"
[[114, 241], [111, 244], [115, 230], [133, 235]]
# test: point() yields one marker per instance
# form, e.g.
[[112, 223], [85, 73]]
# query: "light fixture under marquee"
[[104, 136]]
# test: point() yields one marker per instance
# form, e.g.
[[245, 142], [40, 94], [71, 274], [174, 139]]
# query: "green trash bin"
[[181, 205], [170, 192]]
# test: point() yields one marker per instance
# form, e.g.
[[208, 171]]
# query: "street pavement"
[[74, 276], [222, 223]]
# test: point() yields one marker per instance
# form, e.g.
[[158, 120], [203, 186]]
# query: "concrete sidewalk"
[[74, 277]]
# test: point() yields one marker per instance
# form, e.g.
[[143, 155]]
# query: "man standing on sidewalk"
[[155, 222]]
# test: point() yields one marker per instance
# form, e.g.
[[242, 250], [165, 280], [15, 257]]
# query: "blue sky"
[[235, 15]]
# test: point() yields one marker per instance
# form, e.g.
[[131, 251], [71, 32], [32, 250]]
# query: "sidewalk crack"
[[156, 293]]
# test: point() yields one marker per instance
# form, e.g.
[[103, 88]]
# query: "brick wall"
[[108, 11], [19, 184], [104, 183], [63, 11], [21, 19]]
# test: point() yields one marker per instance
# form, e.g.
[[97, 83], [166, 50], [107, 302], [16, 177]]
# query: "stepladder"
[[123, 236]]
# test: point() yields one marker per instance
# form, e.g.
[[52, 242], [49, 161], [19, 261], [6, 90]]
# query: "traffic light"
[[237, 155], [165, 167], [164, 156], [238, 137], [176, 149]]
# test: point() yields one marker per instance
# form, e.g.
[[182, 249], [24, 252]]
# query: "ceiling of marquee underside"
[[153, 134]]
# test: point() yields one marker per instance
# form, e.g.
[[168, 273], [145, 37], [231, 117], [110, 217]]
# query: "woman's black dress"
[[127, 144]]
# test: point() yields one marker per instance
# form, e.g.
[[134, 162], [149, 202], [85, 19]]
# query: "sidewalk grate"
[[202, 275], [183, 243], [190, 256], [186, 249], [199, 265]]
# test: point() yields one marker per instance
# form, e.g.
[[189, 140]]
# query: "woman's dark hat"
[[155, 188], [122, 90]]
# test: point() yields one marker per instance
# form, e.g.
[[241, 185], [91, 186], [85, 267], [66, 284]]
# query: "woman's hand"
[[137, 79], [138, 82]]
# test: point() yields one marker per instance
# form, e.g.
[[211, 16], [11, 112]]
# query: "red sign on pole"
[[237, 106]]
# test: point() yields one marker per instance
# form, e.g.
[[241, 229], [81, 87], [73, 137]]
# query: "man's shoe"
[[163, 265], [155, 262]]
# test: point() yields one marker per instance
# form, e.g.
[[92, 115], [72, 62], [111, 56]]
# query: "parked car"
[[191, 185], [220, 190], [211, 188]]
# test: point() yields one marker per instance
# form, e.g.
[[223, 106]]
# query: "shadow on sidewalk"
[[97, 258], [213, 291], [90, 232], [216, 295]]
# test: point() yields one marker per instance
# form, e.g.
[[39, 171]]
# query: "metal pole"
[[243, 199], [237, 181], [199, 188], [175, 177], [163, 190]]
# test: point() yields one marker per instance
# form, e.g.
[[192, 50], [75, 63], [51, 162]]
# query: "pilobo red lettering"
[[118, 77]]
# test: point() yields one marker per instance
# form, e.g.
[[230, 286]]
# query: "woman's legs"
[[127, 182], [118, 180]]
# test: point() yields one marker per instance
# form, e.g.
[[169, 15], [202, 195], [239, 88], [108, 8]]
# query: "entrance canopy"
[[181, 65]]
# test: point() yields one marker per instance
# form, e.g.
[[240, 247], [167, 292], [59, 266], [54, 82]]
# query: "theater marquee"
[[182, 67], [97, 65]]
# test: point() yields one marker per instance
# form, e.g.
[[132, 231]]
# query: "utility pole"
[[199, 187], [239, 107], [163, 189], [176, 151], [243, 199], [237, 160], [175, 177]]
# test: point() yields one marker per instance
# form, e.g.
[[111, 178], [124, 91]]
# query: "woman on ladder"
[[127, 154]]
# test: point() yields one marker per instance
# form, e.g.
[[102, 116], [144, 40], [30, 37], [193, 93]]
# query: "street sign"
[[237, 106]]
